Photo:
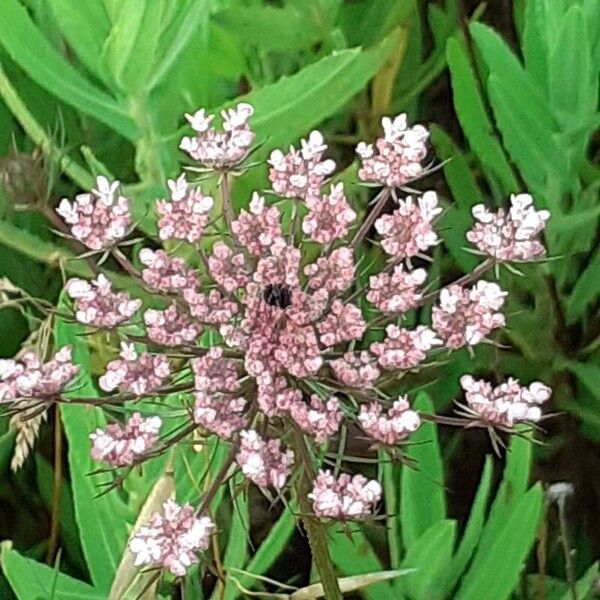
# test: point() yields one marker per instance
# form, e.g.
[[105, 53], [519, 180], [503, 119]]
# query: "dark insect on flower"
[[277, 295]]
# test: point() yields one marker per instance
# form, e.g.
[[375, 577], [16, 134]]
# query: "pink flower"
[[99, 219], [228, 269], [396, 293], [334, 273], [97, 305], [221, 414], [512, 236], [166, 274], [345, 497], [329, 217], [300, 173], [186, 215], [408, 230], [220, 150], [262, 461], [396, 158], [170, 327], [172, 541], [467, 316], [356, 370], [215, 373], [343, 323], [120, 445], [404, 348], [29, 377], [212, 308], [507, 403], [138, 374], [319, 419], [258, 229], [274, 394], [389, 427]]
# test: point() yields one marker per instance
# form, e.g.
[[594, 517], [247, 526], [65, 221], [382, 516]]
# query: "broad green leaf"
[[102, 520], [473, 116], [33, 53], [588, 373], [31, 580], [352, 554], [583, 587], [267, 553], [471, 535], [422, 497], [430, 555], [495, 569], [85, 26], [586, 290]]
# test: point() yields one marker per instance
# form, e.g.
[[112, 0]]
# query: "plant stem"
[[564, 540], [317, 534], [56, 490], [381, 200]]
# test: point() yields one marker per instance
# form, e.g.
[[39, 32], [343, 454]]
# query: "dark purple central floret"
[[277, 295]]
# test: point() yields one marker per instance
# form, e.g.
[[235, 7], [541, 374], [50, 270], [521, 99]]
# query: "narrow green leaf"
[[473, 116], [31, 51], [422, 497], [587, 373], [586, 290], [583, 587], [430, 555], [31, 580], [471, 534], [495, 570]]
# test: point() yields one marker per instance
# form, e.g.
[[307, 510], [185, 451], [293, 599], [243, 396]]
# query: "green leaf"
[[430, 555], [102, 520], [422, 497], [471, 534], [85, 26], [587, 373], [583, 587], [33, 53], [352, 554], [495, 570], [31, 580], [473, 117], [586, 290]]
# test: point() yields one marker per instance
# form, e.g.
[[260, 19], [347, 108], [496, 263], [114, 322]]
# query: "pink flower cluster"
[[512, 235], [329, 216], [345, 497], [506, 404], [171, 327], [166, 274], [467, 316], [97, 305], [300, 173], [318, 418], [404, 348], [136, 373], [389, 427], [259, 228], [29, 377], [262, 461], [220, 150], [397, 157], [396, 293], [357, 370], [408, 231], [98, 219], [172, 540], [121, 446], [186, 215]]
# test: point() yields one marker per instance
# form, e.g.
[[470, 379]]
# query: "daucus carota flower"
[[404, 348], [343, 323], [29, 377], [300, 173], [398, 292], [96, 304], [122, 445], [408, 231], [334, 273], [171, 327], [506, 404], [259, 228], [172, 540], [467, 316], [222, 414], [99, 219], [346, 497], [220, 149], [329, 216], [263, 461], [389, 427], [213, 372], [185, 216], [166, 274], [397, 157], [320, 419], [357, 370], [512, 235], [135, 373]]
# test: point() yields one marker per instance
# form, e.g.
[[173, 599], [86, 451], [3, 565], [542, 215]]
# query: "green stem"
[[317, 534], [390, 487]]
